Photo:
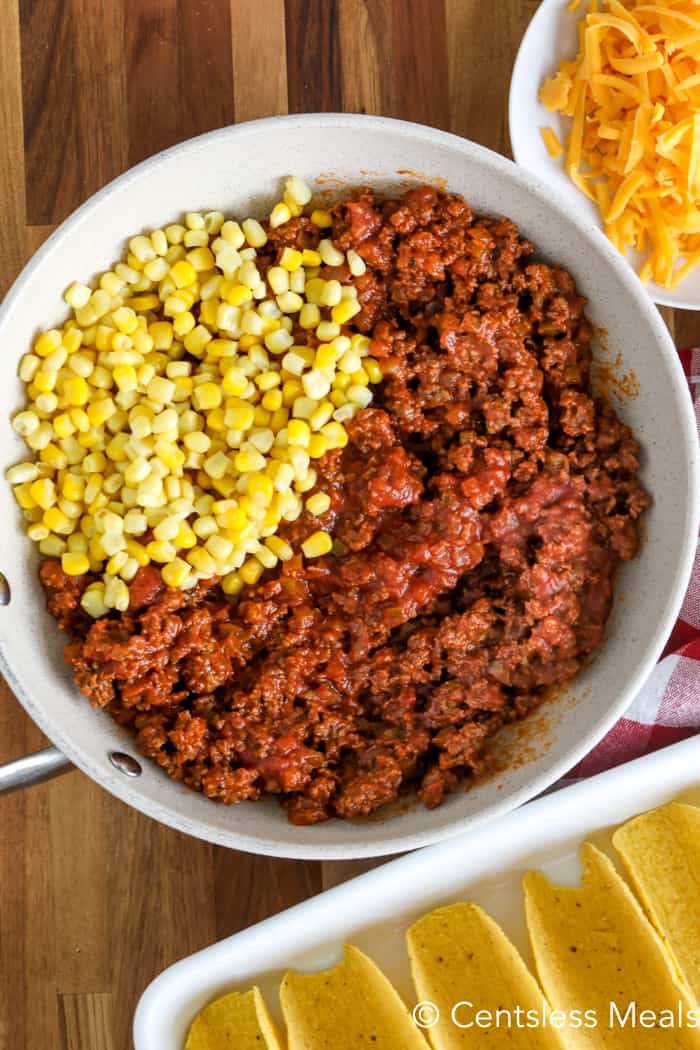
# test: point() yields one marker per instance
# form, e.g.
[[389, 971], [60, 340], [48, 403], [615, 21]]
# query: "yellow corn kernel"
[[196, 340], [309, 257], [72, 340], [129, 569], [73, 487], [279, 215], [240, 414], [22, 473], [24, 497], [234, 518], [279, 547], [116, 594], [313, 290], [197, 441], [346, 309], [75, 391], [318, 446], [217, 465], [28, 366], [57, 521], [171, 456], [47, 342], [174, 233], [206, 396], [290, 259], [278, 279], [162, 334], [231, 232], [37, 531], [116, 563], [318, 503], [317, 544], [42, 493], [336, 435], [220, 547], [176, 572], [201, 560], [183, 323], [138, 552], [254, 233], [238, 294], [52, 546], [53, 456], [99, 412], [245, 462], [45, 381], [75, 563], [298, 432], [356, 263], [272, 400], [297, 190], [373, 369], [160, 551], [251, 571], [260, 489], [185, 538], [143, 302], [215, 420], [232, 584], [63, 425], [201, 259], [92, 600], [183, 273], [125, 319], [322, 218], [160, 390], [77, 295]]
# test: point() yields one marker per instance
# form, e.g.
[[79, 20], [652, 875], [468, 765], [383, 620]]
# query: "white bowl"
[[551, 36], [238, 169]]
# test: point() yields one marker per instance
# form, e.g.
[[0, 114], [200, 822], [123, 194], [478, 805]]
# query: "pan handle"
[[32, 769]]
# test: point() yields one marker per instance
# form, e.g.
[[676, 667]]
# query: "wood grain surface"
[[96, 899]]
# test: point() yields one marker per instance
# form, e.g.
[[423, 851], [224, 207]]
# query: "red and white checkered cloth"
[[668, 707]]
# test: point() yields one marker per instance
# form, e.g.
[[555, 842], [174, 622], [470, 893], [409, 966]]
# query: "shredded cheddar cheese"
[[633, 96], [552, 143]]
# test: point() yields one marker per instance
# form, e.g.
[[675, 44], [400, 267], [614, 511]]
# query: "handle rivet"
[[126, 764]]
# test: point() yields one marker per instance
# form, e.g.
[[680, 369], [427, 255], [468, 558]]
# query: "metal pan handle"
[[32, 769], [39, 766]]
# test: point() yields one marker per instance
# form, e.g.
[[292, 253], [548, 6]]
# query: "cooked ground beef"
[[479, 512]]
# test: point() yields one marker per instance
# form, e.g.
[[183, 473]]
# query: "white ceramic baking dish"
[[374, 910]]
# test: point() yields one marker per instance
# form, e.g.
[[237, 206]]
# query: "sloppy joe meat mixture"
[[479, 511]]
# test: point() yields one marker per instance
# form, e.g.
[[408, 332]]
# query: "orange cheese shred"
[[633, 147], [552, 143]]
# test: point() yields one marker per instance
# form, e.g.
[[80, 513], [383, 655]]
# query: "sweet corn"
[[356, 264], [317, 544], [232, 584], [279, 215], [254, 233], [75, 564], [251, 571], [318, 503], [291, 259], [322, 218], [163, 405], [93, 600], [176, 572], [344, 311]]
